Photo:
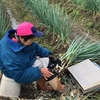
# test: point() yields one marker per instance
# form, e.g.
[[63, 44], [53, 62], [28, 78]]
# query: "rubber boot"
[[56, 85], [41, 85]]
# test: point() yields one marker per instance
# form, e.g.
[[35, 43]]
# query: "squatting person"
[[25, 61]]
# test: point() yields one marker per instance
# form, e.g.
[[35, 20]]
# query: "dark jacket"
[[16, 60]]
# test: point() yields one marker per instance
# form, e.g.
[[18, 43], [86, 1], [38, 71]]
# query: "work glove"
[[55, 60], [54, 64]]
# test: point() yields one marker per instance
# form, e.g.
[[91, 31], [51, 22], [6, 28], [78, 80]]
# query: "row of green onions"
[[90, 5], [4, 20], [52, 17]]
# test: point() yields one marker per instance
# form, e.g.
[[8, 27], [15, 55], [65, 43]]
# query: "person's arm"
[[42, 52], [19, 73], [22, 74]]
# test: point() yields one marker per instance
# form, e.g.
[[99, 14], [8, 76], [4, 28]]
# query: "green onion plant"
[[4, 20], [81, 49], [92, 5]]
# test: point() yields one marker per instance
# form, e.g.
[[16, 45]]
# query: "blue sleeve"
[[21, 74], [43, 52]]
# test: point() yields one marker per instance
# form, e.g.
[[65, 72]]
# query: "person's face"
[[26, 43]]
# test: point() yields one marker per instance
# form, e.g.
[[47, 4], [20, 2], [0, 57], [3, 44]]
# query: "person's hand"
[[46, 73]]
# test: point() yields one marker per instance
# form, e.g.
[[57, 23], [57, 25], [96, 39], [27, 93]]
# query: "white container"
[[9, 88]]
